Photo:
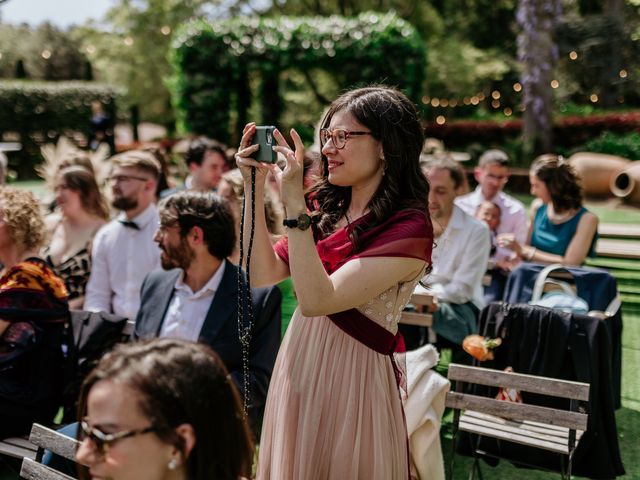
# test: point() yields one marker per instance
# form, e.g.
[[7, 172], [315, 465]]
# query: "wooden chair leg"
[[453, 454], [475, 468]]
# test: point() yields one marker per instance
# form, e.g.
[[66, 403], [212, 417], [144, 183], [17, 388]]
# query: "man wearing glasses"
[[492, 173], [123, 250]]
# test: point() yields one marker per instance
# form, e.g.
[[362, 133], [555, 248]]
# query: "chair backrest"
[[418, 318], [46, 439], [576, 391]]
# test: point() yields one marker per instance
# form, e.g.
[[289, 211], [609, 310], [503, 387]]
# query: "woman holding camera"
[[357, 243]]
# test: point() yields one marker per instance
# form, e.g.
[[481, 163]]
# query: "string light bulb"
[[573, 55], [440, 120], [517, 87]]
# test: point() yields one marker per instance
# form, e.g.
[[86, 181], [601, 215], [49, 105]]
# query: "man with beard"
[[195, 296], [459, 257], [123, 251]]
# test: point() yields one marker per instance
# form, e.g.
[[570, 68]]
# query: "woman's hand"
[[508, 240], [244, 160], [291, 178]]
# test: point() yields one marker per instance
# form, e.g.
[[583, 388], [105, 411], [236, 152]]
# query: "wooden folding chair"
[[551, 429], [46, 439]]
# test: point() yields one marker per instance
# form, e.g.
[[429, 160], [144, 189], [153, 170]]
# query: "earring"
[[173, 464]]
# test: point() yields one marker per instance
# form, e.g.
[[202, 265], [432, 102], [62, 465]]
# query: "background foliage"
[[212, 60], [35, 112]]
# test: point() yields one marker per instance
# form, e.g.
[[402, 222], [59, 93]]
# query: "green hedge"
[[41, 111], [211, 61], [43, 107], [625, 145]]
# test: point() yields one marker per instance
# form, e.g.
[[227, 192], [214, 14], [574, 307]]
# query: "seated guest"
[[561, 229], [460, 257], [207, 161], [195, 297], [123, 250], [33, 311], [492, 174], [81, 211], [163, 409]]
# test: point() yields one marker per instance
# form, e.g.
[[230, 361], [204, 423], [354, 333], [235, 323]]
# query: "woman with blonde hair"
[[81, 211], [33, 311]]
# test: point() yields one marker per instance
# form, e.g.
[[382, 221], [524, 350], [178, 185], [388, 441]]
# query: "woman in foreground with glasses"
[[163, 410], [334, 408]]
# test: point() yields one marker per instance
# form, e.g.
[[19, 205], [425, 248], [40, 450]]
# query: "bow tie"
[[130, 224]]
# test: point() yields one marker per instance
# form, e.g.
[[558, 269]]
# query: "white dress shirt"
[[459, 260], [513, 218], [121, 257], [188, 310]]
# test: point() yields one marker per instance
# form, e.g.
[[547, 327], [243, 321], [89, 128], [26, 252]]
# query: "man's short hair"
[[446, 162], [199, 147], [494, 156], [143, 161], [207, 210]]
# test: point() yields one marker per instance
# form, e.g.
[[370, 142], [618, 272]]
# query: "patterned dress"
[[34, 302]]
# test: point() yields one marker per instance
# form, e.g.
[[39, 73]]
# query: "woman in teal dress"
[[561, 230]]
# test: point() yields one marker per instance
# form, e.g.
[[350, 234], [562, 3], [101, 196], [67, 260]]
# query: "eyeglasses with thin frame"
[[103, 441], [125, 178], [339, 136], [165, 225]]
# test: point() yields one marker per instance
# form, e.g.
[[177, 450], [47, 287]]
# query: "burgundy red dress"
[[333, 409]]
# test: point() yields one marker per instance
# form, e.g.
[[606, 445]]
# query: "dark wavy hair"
[[183, 382], [561, 180], [393, 121], [83, 181], [207, 210], [200, 146]]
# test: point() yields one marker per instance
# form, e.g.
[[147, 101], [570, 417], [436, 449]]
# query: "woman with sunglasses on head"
[[163, 410], [357, 244]]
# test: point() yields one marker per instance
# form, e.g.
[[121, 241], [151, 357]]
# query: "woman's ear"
[[188, 435]]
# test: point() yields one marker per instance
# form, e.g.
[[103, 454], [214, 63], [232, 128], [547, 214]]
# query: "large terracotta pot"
[[626, 184], [597, 170]]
